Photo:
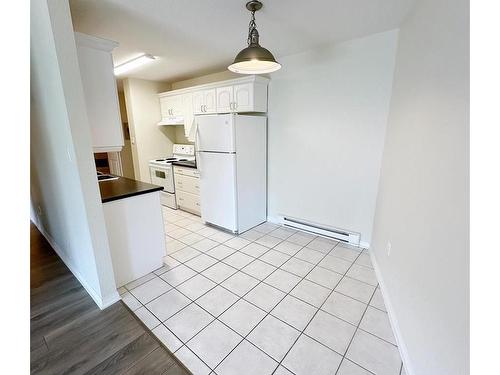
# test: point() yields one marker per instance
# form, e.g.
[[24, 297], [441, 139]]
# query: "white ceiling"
[[195, 37]]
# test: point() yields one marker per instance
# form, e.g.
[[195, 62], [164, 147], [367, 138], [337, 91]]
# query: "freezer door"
[[215, 133], [218, 189]]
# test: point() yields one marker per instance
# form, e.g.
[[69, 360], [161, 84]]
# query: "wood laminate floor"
[[71, 335]]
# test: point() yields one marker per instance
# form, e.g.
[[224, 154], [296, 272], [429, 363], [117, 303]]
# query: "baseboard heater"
[[349, 237]]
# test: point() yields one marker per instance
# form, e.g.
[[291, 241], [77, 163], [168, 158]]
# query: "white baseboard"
[[403, 350], [103, 302]]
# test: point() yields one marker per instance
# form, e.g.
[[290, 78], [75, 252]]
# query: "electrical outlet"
[[389, 247]]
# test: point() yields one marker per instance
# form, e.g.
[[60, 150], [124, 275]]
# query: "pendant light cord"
[[251, 26]]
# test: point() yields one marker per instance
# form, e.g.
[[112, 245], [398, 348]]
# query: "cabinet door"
[[164, 107], [176, 105], [188, 202], [243, 98], [224, 99], [187, 184], [209, 100], [187, 108], [198, 102]]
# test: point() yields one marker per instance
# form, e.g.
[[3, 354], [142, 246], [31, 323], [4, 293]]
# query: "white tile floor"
[[269, 301]]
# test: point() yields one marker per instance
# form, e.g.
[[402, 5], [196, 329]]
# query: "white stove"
[[162, 173]]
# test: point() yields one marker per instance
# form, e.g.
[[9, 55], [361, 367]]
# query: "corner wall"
[[423, 200], [64, 192]]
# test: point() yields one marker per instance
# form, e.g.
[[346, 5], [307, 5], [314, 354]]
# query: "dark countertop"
[[112, 190], [189, 164]]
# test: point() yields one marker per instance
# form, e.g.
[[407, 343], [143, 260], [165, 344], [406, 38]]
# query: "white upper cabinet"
[[204, 101], [244, 97], [248, 94], [210, 101], [198, 102], [188, 116], [172, 110], [225, 99], [101, 97]]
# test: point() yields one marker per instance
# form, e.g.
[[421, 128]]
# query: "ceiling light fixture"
[[134, 63], [254, 59]]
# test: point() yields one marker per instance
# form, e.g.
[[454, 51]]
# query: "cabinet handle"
[[198, 204], [196, 186], [235, 105]]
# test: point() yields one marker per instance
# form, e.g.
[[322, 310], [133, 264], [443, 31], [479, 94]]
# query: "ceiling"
[[195, 37]]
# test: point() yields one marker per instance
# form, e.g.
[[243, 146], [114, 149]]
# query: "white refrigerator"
[[231, 158]]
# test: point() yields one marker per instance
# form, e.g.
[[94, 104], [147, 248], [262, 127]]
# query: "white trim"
[[403, 350], [212, 85], [102, 303], [107, 149], [95, 42]]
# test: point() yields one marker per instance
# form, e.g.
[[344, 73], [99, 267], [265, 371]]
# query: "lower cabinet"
[[187, 189], [188, 202]]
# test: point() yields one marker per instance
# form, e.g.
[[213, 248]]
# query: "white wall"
[[209, 78], [149, 141], [63, 179], [423, 204], [327, 117]]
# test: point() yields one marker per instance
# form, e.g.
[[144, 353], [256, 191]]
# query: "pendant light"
[[254, 59]]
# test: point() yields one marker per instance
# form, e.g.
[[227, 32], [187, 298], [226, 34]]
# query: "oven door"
[[163, 176]]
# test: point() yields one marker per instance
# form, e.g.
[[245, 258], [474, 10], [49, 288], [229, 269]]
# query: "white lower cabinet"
[[187, 189], [189, 202]]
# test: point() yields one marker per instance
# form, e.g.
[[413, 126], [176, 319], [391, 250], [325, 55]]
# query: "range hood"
[[177, 120]]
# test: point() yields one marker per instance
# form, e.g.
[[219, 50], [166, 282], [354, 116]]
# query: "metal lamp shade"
[[254, 60]]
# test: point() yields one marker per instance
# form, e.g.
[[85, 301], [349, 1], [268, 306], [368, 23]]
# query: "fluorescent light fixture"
[[134, 63]]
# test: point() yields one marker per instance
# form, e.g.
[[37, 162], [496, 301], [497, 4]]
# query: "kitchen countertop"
[[189, 164], [123, 187]]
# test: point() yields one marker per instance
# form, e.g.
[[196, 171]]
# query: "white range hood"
[[177, 120]]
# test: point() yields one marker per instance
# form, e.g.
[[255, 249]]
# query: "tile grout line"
[[314, 264], [242, 297], [319, 309], [354, 334], [353, 262], [267, 313]]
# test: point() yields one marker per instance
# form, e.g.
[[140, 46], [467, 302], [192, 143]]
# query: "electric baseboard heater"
[[349, 237]]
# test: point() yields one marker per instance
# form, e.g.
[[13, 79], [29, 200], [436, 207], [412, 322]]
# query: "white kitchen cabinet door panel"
[[243, 97], [187, 184], [188, 201], [224, 99], [218, 189], [210, 101], [198, 102], [164, 107], [187, 107]]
